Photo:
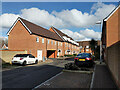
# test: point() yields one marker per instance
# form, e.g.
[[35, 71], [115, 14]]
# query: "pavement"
[[69, 80], [102, 77]]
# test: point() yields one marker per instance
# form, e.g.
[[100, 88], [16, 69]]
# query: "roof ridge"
[[33, 28], [105, 19], [35, 24], [63, 33]]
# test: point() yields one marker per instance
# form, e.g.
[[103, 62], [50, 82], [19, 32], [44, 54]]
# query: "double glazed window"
[[55, 42], [48, 41], [52, 42], [37, 39], [42, 40]]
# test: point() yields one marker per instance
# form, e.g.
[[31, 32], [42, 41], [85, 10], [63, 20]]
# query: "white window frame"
[[61, 44], [42, 40], [37, 39], [87, 46], [48, 41], [87, 49], [55, 42], [52, 42]]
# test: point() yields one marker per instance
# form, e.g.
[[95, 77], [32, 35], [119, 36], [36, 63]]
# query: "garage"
[[51, 53]]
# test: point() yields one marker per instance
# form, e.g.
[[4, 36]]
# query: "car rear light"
[[76, 58], [88, 58], [21, 58]]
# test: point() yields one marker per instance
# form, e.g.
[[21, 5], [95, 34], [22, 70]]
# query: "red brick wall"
[[112, 29], [20, 39]]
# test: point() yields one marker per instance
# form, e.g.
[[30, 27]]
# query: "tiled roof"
[[38, 30], [62, 34]]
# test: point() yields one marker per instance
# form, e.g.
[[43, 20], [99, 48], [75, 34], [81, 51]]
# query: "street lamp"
[[99, 22]]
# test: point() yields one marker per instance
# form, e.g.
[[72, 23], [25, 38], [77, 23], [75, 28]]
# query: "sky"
[[76, 19]]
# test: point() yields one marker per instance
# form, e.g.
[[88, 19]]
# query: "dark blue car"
[[84, 59]]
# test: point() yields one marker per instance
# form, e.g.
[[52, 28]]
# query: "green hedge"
[[68, 55]]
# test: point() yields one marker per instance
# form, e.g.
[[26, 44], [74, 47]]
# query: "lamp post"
[[99, 22]]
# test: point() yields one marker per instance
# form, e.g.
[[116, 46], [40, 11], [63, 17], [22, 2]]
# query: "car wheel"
[[24, 63], [36, 62]]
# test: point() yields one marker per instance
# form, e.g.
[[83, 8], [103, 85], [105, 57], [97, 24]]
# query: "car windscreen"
[[84, 55], [79, 55], [21, 55]]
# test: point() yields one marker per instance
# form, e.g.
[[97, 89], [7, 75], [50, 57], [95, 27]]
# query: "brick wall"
[[112, 29], [113, 61]]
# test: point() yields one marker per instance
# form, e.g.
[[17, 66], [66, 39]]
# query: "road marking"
[[47, 81], [93, 76]]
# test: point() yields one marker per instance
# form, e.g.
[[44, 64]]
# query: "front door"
[[39, 54]]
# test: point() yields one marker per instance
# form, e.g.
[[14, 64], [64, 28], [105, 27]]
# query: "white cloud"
[[102, 10], [65, 18], [76, 18], [41, 17], [91, 34], [83, 35], [6, 20], [74, 35]]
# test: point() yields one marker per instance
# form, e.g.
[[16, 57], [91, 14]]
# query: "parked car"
[[84, 59], [24, 59]]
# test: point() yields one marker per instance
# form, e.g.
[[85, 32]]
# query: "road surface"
[[31, 76]]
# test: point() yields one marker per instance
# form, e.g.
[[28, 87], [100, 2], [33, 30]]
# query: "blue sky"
[[63, 15]]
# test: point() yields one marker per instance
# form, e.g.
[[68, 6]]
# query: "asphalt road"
[[31, 76]]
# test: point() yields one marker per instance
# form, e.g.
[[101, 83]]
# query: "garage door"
[[39, 54]]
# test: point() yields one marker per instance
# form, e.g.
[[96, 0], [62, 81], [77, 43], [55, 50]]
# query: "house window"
[[65, 52], [55, 42], [80, 47], [42, 40], [87, 49], [51, 42], [48, 41], [61, 44], [87, 46], [37, 39], [58, 43]]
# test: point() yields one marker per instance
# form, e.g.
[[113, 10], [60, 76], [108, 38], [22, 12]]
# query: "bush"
[[97, 53], [74, 54], [68, 55]]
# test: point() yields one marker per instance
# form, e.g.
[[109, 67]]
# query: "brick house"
[[69, 45], [40, 42], [85, 46], [111, 43], [3, 46]]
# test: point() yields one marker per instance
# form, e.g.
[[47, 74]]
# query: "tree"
[[93, 45]]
